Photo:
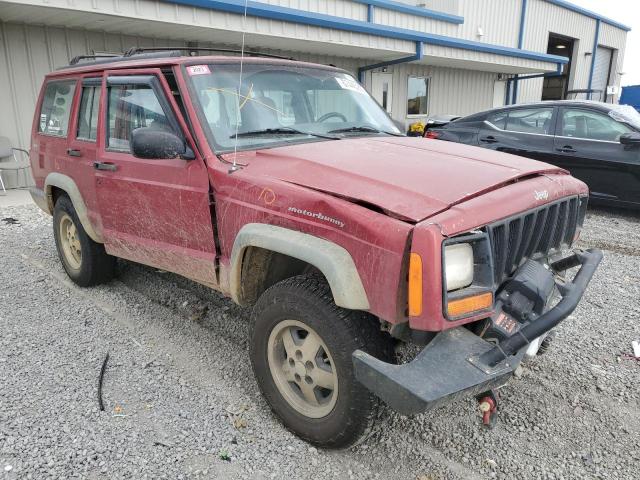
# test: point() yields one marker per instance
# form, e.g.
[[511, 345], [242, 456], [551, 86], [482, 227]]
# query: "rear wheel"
[[84, 260], [301, 347]]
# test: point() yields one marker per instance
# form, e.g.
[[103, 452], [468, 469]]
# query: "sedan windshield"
[[282, 104]]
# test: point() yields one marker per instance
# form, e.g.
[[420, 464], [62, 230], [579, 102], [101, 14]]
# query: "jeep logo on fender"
[[542, 195]]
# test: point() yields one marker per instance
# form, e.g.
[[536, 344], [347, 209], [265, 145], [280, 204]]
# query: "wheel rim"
[[70, 242], [302, 368]]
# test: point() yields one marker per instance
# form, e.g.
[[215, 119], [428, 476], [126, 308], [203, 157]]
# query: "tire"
[[345, 412], [84, 260]]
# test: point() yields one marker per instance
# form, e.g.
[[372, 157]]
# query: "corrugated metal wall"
[[451, 90], [338, 8], [615, 38], [498, 19], [543, 18]]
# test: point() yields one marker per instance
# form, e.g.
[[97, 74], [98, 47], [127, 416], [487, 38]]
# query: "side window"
[[591, 126], [56, 107], [88, 113], [131, 107], [498, 119], [530, 120]]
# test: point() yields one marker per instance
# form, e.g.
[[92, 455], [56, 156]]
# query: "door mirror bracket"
[[630, 139], [155, 143]]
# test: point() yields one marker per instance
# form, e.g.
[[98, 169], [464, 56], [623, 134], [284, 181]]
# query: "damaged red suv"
[[285, 186]]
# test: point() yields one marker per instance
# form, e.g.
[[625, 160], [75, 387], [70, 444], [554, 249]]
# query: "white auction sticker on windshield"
[[349, 83], [198, 70]]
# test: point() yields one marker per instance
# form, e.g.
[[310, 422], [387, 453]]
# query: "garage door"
[[601, 72]]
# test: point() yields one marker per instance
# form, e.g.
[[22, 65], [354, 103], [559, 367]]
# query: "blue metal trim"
[[488, 48], [523, 18], [370, 13], [512, 98], [418, 56], [588, 13], [276, 12], [593, 55], [419, 12]]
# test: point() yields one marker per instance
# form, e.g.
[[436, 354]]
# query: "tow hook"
[[488, 405]]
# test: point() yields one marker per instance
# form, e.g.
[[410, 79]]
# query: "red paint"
[[381, 192]]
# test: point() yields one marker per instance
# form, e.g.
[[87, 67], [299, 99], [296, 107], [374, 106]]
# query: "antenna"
[[234, 166]]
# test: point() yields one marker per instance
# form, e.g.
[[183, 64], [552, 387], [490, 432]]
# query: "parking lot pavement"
[[181, 402]]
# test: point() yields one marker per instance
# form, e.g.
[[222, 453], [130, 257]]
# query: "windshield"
[[626, 114], [282, 104]]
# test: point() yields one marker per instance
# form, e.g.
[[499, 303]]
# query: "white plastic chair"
[[7, 151]]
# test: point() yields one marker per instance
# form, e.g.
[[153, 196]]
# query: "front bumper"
[[459, 363]]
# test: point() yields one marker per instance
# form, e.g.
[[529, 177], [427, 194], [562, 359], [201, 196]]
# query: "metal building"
[[416, 57]]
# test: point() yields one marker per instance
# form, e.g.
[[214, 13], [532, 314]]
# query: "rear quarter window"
[[56, 108]]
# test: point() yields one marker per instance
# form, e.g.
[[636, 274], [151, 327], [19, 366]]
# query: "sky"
[[626, 12]]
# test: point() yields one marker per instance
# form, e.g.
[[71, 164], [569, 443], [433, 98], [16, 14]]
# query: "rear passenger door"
[[81, 152], [527, 132], [155, 212]]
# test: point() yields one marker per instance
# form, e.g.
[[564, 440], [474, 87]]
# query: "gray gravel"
[[181, 401]]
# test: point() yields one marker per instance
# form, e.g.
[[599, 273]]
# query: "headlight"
[[458, 262]]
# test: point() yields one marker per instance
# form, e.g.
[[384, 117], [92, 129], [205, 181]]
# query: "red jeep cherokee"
[[286, 187]]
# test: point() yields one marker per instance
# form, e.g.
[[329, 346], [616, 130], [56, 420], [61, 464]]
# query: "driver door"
[[155, 212]]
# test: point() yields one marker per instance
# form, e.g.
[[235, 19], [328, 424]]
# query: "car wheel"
[[84, 260], [301, 346]]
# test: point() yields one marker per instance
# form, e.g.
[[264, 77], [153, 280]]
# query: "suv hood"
[[410, 178]]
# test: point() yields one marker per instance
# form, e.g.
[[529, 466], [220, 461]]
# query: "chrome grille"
[[533, 233]]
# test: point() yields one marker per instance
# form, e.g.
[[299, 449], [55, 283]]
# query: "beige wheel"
[[302, 368], [70, 242]]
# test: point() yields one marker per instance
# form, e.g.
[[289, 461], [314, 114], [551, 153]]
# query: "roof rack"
[[75, 60], [140, 53], [138, 50]]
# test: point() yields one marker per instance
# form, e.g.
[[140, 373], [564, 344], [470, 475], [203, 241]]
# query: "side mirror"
[[153, 143], [631, 139]]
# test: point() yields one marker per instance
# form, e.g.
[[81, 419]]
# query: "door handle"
[[488, 139], [566, 149], [72, 152], [111, 167]]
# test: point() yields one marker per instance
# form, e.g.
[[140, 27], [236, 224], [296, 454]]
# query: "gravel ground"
[[181, 401]]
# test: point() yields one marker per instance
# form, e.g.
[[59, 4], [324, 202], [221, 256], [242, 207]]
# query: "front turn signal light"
[[467, 305], [415, 285]]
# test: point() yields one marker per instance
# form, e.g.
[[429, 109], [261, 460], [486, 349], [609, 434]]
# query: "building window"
[[417, 95]]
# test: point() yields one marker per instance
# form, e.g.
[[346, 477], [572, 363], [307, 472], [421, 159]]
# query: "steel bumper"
[[458, 363]]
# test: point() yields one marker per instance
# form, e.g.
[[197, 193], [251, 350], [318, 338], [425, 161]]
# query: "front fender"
[[332, 260]]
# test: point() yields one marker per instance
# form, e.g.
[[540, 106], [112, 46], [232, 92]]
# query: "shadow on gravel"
[[627, 214]]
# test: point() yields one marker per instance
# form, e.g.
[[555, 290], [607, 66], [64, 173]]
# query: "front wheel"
[[301, 347]]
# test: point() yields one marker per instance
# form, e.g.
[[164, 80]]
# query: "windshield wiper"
[[281, 131], [364, 128]]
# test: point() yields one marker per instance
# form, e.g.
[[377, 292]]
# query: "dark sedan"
[[598, 143]]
